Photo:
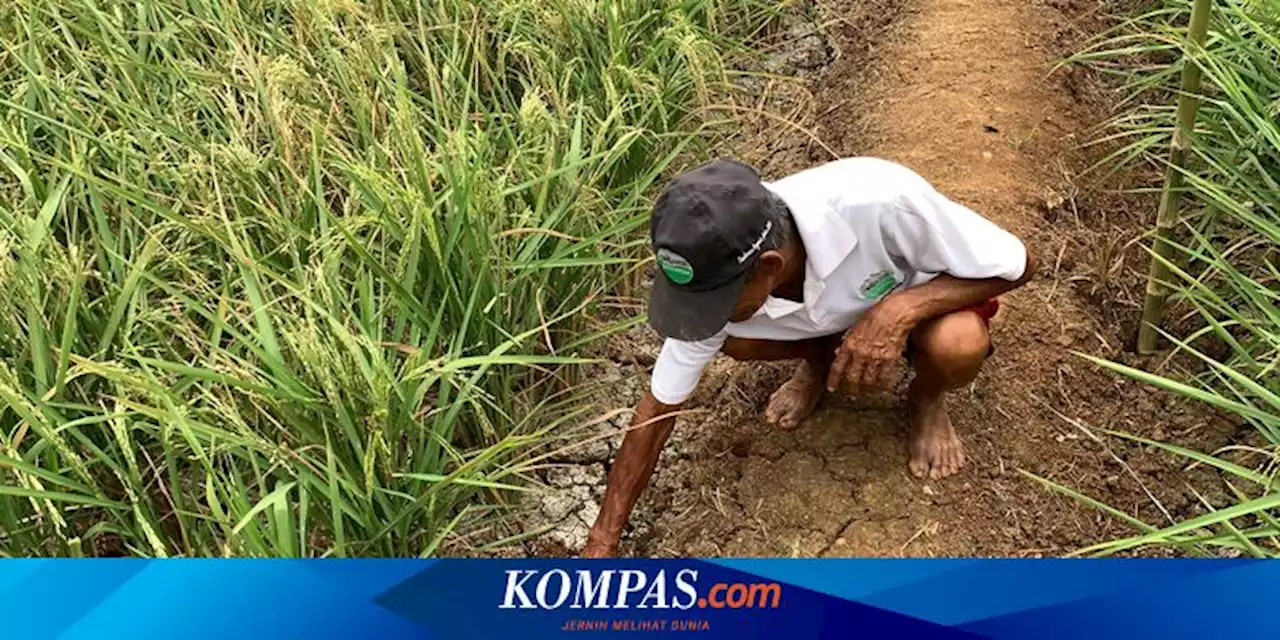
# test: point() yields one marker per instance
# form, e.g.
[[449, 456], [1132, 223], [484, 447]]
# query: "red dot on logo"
[[702, 603]]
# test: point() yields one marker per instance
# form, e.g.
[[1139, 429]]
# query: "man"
[[848, 267]]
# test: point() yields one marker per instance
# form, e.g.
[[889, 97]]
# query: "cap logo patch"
[[678, 269]]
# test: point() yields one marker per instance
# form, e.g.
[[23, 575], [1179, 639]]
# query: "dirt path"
[[959, 91]]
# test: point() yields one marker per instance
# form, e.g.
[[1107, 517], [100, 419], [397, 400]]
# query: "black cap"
[[708, 227]]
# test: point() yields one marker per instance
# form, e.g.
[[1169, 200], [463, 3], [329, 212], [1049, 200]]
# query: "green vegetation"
[[1224, 264], [301, 277], [1170, 197]]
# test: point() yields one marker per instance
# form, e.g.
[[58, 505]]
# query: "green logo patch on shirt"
[[678, 269], [878, 285]]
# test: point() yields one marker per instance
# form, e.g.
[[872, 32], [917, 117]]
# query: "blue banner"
[[544, 598]]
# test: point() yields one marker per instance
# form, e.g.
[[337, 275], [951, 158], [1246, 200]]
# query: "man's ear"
[[771, 263]]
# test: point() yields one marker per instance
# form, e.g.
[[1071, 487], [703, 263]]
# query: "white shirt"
[[869, 227]]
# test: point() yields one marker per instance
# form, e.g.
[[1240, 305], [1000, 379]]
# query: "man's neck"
[[791, 286]]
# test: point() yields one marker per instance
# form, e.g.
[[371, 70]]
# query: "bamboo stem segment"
[[1167, 214]]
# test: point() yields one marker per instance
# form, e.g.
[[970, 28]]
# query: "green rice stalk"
[[296, 278], [1167, 214]]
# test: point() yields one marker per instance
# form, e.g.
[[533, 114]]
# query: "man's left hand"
[[869, 356]]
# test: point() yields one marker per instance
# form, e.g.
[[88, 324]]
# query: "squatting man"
[[851, 267]]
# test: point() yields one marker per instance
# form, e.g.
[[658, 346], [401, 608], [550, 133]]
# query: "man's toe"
[[948, 461], [771, 412], [919, 466]]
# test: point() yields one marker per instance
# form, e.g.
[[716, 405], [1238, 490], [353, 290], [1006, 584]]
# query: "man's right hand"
[[632, 468], [599, 549]]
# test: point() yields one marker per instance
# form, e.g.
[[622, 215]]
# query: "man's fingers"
[[837, 369], [868, 375], [858, 376], [599, 550], [880, 375], [862, 373], [857, 373]]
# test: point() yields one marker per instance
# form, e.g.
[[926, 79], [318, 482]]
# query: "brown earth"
[[960, 91]]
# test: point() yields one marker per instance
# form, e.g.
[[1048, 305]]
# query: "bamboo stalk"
[[1167, 214]]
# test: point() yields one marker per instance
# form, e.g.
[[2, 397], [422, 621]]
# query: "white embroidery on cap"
[[756, 247]]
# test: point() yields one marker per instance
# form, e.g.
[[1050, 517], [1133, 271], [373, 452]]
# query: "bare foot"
[[936, 451], [796, 399]]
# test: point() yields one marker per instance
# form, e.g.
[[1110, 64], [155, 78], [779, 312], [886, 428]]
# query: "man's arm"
[[675, 376], [632, 468], [868, 354], [947, 293]]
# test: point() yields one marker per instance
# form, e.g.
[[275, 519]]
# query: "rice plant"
[[1170, 197], [305, 278], [1224, 263]]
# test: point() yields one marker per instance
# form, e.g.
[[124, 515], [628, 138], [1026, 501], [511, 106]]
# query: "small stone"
[[840, 542], [928, 491]]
